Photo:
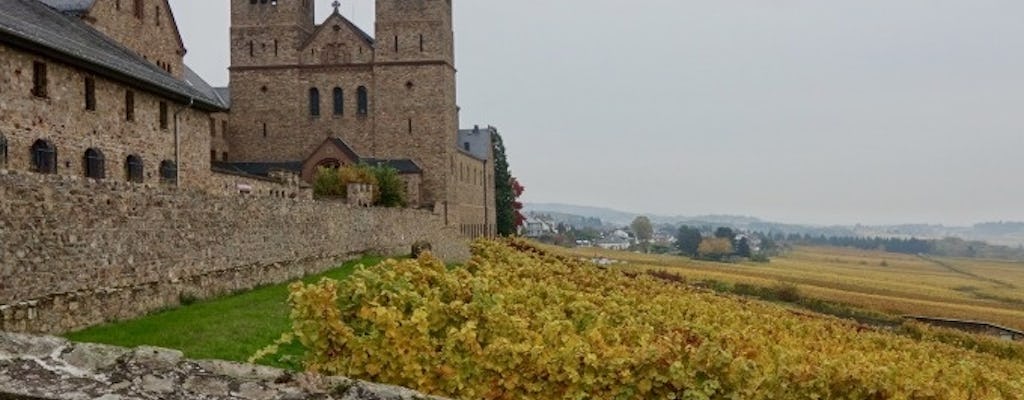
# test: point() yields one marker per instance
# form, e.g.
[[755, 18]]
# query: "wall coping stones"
[[50, 368]]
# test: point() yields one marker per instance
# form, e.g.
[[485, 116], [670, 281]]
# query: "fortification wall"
[[75, 252]]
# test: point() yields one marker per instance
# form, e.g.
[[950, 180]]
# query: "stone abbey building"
[[99, 89]]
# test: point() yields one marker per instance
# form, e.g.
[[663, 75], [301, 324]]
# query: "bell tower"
[[414, 74], [415, 30], [269, 32]]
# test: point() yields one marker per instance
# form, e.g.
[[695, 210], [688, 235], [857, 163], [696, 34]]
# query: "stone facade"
[[61, 118], [76, 252], [53, 368], [295, 83], [147, 27]]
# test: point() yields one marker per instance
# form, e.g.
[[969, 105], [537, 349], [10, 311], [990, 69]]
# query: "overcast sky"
[[808, 111]]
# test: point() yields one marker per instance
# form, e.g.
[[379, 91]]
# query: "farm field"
[[896, 284]]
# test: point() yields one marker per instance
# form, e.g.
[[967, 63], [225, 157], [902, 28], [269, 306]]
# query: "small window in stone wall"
[[39, 80], [224, 156], [129, 105], [3, 151], [213, 155], [362, 100], [339, 101], [213, 127], [140, 9], [224, 128], [133, 169], [168, 172], [164, 117], [314, 102], [95, 164], [44, 157], [90, 94]]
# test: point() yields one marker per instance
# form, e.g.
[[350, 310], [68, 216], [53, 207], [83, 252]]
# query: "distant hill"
[[999, 233]]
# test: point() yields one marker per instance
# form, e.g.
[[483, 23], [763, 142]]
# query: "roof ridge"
[[73, 40]]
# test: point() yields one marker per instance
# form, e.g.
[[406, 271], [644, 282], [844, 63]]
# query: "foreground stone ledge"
[[49, 368]]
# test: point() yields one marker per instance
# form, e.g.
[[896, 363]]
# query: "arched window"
[[44, 157], [314, 102], [95, 167], [363, 100], [330, 163], [168, 172], [3, 151], [339, 101], [133, 169]]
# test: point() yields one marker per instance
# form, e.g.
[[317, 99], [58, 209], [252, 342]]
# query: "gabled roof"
[[404, 166], [35, 27], [341, 145], [82, 7], [75, 7], [344, 21]]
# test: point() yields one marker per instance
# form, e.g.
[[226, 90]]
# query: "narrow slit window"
[[129, 105], [90, 94], [164, 117], [3, 151], [39, 79]]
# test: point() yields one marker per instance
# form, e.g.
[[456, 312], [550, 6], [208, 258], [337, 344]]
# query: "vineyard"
[[897, 284], [520, 323]]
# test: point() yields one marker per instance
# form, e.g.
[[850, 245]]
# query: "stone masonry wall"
[[33, 368], [76, 252], [62, 119], [150, 32]]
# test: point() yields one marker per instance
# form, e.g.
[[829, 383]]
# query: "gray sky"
[[811, 111]]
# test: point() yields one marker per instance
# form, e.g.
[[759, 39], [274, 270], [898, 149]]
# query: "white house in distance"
[[535, 227]]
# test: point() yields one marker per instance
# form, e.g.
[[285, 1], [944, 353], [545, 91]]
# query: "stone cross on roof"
[[336, 4]]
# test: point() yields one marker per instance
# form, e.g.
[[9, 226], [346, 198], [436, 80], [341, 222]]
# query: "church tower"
[[269, 32], [414, 75], [266, 38]]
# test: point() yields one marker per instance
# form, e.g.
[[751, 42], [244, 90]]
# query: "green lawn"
[[228, 328]]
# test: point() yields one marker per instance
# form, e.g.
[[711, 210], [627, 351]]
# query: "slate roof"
[[259, 168], [351, 154], [404, 166], [478, 140], [224, 93], [76, 7], [197, 83], [36, 27]]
